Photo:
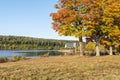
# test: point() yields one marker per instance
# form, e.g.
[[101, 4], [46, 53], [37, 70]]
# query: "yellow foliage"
[[90, 46], [93, 18]]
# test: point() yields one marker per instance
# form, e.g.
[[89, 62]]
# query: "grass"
[[62, 68]]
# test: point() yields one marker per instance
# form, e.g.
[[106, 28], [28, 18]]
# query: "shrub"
[[90, 46], [14, 58], [17, 58], [21, 57], [3, 59]]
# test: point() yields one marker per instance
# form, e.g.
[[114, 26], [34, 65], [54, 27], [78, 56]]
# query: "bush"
[[17, 58], [3, 59], [21, 57], [90, 46]]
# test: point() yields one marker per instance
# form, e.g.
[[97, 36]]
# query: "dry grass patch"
[[63, 68]]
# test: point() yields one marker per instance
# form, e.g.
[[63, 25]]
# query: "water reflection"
[[29, 53]]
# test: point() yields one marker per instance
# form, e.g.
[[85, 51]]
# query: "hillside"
[[20, 42]]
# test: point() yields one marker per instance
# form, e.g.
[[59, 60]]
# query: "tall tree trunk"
[[111, 50], [97, 49], [81, 46]]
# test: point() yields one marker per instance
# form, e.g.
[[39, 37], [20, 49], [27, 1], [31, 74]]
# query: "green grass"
[[63, 68]]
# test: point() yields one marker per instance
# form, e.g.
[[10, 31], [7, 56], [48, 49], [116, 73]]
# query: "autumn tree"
[[96, 19], [112, 22], [102, 21], [112, 39], [68, 19]]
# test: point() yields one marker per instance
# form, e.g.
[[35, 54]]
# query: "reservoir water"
[[28, 53]]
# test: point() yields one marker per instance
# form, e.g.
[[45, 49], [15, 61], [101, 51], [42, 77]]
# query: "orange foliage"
[[95, 15], [86, 1]]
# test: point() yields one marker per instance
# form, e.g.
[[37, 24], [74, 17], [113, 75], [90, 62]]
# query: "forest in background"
[[30, 43], [27, 43]]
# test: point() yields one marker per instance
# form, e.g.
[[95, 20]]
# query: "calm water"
[[28, 53]]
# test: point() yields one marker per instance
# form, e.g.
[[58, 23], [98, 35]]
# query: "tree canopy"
[[96, 19], [27, 43]]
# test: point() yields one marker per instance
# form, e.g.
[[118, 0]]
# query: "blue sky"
[[28, 18]]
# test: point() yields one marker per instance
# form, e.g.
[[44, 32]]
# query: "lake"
[[28, 53]]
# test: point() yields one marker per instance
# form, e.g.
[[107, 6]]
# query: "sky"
[[29, 18]]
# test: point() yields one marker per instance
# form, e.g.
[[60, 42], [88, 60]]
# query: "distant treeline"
[[25, 43]]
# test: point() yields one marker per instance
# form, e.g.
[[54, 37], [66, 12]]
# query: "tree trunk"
[[97, 49], [111, 50], [81, 46]]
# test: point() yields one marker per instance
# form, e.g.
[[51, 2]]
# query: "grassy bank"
[[63, 68]]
